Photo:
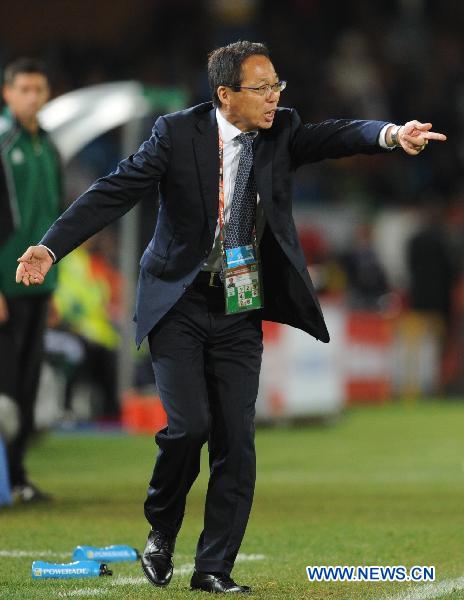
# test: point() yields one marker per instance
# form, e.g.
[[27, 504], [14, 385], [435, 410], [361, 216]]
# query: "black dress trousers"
[[206, 365]]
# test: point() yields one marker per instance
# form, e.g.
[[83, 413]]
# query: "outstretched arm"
[[112, 196], [343, 137], [334, 138]]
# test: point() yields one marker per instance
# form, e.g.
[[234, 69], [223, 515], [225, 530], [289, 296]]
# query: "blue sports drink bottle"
[[106, 554], [74, 570]]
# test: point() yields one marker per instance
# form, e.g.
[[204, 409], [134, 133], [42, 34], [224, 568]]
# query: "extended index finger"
[[433, 135]]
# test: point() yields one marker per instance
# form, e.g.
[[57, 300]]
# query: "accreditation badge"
[[242, 280]]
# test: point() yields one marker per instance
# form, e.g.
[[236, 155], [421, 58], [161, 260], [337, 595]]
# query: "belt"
[[209, 278]]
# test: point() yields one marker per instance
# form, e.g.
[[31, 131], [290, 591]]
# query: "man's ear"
[[223, 93]]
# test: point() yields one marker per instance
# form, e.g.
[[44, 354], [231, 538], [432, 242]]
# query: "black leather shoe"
[[216, 583], [157, 558]]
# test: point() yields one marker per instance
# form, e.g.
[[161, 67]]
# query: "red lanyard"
[[221, 183]]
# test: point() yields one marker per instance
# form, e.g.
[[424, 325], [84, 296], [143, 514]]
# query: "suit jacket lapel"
[[206, 145], [262, 160]]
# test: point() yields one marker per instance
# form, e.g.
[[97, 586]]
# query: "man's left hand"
[[414, 136]]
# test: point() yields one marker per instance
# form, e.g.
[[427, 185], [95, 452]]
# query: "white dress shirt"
[[231, 157], [382, 137]]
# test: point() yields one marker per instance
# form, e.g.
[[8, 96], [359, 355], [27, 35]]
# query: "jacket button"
[[185, 286]]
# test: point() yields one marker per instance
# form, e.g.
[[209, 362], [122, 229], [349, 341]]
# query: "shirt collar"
[[227, 130]]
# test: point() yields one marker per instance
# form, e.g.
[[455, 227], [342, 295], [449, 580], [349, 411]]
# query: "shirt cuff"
[[382, 136], [52, 254]]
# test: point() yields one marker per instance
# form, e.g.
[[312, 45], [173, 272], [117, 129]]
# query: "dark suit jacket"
[[182, 158]]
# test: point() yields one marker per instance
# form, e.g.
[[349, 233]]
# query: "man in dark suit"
[[224, 175]]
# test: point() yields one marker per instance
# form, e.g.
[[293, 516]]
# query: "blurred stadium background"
[[383, 236], [368, 226]]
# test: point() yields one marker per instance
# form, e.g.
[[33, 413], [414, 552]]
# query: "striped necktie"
[[242, 218]]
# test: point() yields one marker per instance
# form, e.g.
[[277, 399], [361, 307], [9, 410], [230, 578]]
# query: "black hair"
[[225, 64], [24, 65]]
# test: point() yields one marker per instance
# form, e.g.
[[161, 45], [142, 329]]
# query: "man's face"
[[26, 95], [247, 109]]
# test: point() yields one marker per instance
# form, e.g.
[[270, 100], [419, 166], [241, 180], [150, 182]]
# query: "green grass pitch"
[[382, 486]]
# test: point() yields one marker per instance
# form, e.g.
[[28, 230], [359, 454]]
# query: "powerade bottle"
[[107, 554], [74, 570]]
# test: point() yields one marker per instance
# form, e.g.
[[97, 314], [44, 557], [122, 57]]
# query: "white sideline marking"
[[29, 554], [83, 592], [246, 557], [128, 580], [43, 553], [431, 590], [50, 554], [187, 568], [181, 571]]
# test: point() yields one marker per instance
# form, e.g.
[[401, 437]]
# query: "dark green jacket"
[[30, 198]]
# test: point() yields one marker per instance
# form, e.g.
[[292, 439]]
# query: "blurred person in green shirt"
[[30, 194]]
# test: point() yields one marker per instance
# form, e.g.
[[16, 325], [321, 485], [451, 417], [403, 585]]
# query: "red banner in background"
[[368, 371], [370, 359]]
